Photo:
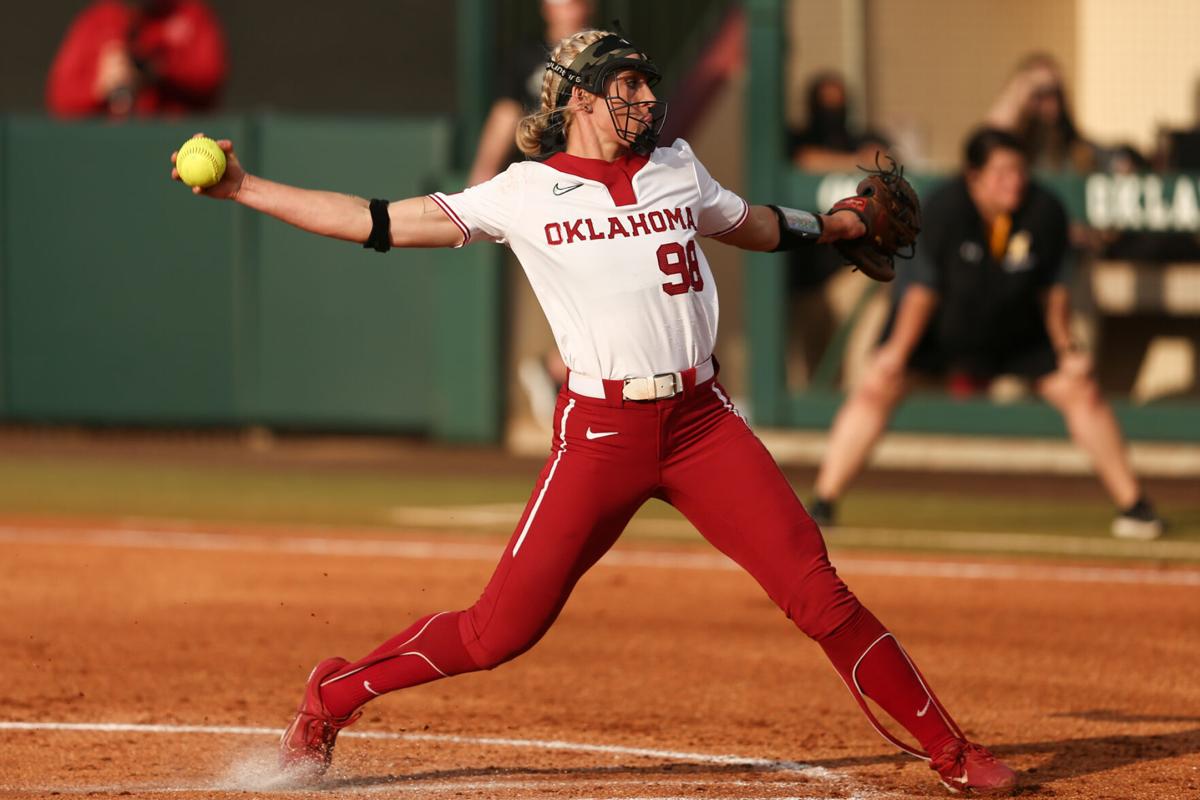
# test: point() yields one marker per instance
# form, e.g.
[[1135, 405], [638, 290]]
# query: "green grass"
[[112, 486], [945, 511], [116, 487]]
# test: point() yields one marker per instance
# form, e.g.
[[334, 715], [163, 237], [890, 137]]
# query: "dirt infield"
[[669, 674]]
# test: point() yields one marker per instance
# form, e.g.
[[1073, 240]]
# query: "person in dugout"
[[149, 58], [986, 296]]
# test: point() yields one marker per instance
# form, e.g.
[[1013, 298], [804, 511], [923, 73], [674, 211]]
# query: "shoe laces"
[[321, 731], [953, 756]]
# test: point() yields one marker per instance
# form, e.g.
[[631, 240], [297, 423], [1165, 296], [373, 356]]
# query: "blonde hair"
[[532, 128]]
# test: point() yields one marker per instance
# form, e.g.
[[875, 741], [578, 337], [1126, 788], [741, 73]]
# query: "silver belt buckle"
[[658, 387], [659, 392]]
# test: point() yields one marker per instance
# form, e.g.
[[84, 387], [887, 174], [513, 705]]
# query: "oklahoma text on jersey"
[[582, 230], [611, 252]]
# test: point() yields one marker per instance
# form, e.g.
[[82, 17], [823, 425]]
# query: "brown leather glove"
[[888, 205]]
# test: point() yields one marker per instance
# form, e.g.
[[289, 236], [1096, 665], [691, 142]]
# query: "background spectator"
[[520, 94], [986, 296], [1033, 106], [520, 89], [154, 57], [826, 144]]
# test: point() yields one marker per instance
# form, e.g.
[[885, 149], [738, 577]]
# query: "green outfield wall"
[[125, 300]]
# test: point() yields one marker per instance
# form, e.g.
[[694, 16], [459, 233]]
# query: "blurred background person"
[[519, 92], [155, 57], [1033, 106], [824, 144], [986, 296], [519, 87], [1179, 148]]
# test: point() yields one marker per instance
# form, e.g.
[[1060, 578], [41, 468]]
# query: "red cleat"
[[967, 768], [306, 747]]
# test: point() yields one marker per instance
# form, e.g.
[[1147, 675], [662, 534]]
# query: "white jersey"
[[611, 253]]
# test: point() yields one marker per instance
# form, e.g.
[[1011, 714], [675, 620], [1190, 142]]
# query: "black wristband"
[[381, 227], [796, 228]]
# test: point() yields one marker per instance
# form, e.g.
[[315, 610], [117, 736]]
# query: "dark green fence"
[[127, 301], [3, 255]]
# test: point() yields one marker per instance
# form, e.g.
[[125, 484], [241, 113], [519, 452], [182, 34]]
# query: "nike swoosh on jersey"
[[561, 190], [925, 710], [599, 434]]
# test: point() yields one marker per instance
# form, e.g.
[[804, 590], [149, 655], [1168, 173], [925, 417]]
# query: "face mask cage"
[[639, 123]]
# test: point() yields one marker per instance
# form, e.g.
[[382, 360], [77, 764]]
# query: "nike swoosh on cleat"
[[599, 434], [963, 780], [561, 190], [367, 686]]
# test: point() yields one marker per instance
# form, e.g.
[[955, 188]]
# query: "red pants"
[[693, 451], [609, 456]]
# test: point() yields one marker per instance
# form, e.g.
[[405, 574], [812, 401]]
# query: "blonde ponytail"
[[531, 129]]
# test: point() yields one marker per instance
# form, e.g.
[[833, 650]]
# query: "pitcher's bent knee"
[[500, 639], [819, 602]]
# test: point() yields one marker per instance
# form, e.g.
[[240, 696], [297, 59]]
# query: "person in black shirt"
[[824, 144], [519, 89], [519, 92], [986, 296]]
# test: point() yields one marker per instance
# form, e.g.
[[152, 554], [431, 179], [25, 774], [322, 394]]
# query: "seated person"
[[827, 145], [985, 297]]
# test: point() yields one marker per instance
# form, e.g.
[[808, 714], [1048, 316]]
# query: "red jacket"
[[179, 48]]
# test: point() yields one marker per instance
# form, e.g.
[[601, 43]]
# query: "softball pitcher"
[[606, 226]]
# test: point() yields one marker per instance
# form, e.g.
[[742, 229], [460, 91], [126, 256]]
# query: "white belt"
[[656, 387]]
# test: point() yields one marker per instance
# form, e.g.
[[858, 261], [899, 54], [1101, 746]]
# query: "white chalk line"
[[456, 789], [452, 551], [401, 785], [487, 741], [424, 789], [505, 515], [492, 787]]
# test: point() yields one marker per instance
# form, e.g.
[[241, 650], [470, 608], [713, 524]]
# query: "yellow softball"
[[201, 162]]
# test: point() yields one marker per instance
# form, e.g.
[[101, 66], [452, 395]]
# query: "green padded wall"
[[765, 279], [126, 300], [468, 401], [344, 334], [119, 286], [3, 282]]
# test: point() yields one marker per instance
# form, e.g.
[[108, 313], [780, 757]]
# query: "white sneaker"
[[1139, 521]]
